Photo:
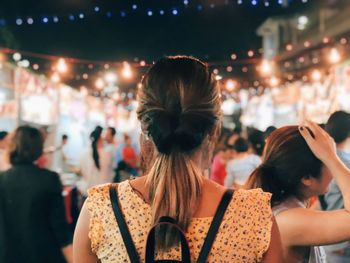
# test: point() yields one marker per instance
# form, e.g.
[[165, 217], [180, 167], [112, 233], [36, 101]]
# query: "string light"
[[17, 56], [230, 85], [274, 81], [111, 77], [55, 77], [334, 56], [266, 67], [61, 66], [175, 10], [99, 84], [316, 75], [289, 47], [126, 72]]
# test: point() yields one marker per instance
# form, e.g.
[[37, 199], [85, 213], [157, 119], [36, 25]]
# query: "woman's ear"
[[307, 181]]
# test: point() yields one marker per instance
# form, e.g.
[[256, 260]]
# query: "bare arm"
[[306, 227], [323, 146], [82, 252], [68, 253], [274, 253]]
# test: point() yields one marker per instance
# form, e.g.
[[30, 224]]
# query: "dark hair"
[[179, 105], [95, 136], [3, 135], [113, 131], [338, 126], [241, 145], [269, 130], [64, 137], [26, 145], [257, 140], [287, 159]]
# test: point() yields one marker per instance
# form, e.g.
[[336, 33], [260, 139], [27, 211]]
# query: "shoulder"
[[253, 198], [98, 196], [254, 158], [251, 217]]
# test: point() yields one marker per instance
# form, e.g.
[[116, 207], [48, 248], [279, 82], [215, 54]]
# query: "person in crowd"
[[268, 131], [257, 141], [299, 163], [180, 112], [31, 202], [94, 163], [242, 165], [63, 163], [236, 133], [218, 168], [338, 127], [127, 159], [4, 138], [110, 148]]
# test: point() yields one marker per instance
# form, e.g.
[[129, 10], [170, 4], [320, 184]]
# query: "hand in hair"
[[319, 141]]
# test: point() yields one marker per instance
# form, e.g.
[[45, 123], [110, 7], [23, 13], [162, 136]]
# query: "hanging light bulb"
[[55, 77], [334, 56], [316, 75], [61, 66], [266, 67], [99, 83], [274, 81], [231, 85], [126, 72]]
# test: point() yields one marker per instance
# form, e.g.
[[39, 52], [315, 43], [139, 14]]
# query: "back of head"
[[113, 131], [26, 145], [338, 126], [241, 145], [179, 107], [257, 140], [3, 135], [286, 160]]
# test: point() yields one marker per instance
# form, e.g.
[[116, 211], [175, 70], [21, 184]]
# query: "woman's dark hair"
[[241, 145], [338, 126], [269, 130], [26, 145], [257, 140], [95, 136], [179, 106], [3, 135], [287, 159]]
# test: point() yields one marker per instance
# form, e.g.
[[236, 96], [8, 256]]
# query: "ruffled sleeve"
[[254, 216], [96, 205], [263, 221]]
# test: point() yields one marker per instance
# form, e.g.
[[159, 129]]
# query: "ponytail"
[[175, 186], [95, 154], [95, 136]]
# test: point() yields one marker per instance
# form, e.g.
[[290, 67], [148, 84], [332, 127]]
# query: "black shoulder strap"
[[214, 227], [123, 227], [150, 244]]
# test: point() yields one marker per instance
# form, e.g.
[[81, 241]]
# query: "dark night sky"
[[212, 34]]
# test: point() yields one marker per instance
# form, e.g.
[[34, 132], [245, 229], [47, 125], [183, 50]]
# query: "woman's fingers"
[[306, 134]]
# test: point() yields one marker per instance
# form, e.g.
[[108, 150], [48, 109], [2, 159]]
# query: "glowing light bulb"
[[231, 85], [334, 56], [61, 66], [99, 84], [316, 75], [126, 72], [55, 77]]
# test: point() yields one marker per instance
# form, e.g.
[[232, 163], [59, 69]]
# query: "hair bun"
[[183, 132]]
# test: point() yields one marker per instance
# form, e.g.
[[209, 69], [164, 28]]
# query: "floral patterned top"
[[244, 234]]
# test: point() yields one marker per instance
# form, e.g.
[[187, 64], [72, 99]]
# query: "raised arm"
[[323, 146]]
